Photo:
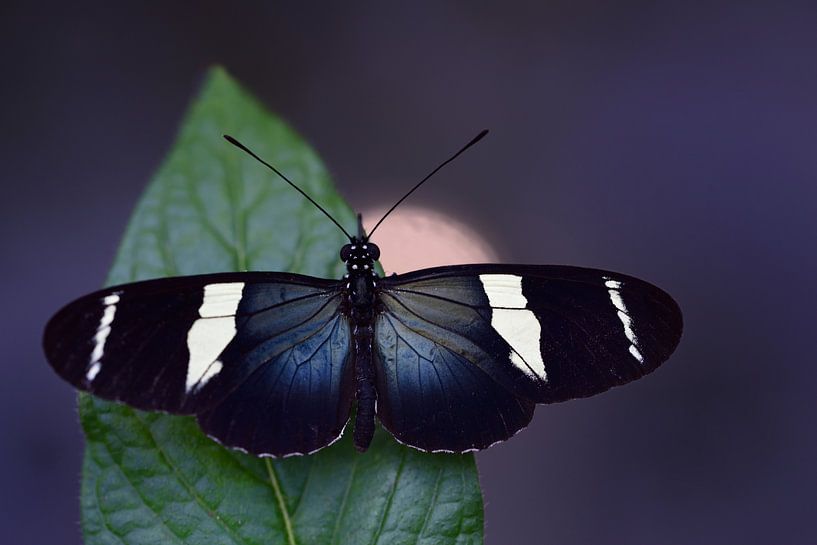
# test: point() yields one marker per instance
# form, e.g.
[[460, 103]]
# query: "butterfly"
[[448, 359]]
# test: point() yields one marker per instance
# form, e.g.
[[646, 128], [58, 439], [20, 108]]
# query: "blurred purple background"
[[671, 142]]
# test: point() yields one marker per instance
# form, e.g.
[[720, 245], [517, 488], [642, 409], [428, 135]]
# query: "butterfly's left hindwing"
[[261, 358], [464, 352], [437, 396]]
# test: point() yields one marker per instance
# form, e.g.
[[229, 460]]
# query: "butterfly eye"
[[346, 252], [374, 251]]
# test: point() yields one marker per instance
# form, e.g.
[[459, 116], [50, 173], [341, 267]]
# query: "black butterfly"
[[449, 359]]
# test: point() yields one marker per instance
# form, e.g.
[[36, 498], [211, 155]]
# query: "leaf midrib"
[[392, 492], [279, 498]]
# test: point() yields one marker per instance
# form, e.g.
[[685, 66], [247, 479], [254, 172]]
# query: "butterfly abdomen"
[[365, 392]]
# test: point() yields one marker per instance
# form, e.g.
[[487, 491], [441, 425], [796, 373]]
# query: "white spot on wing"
[[212, 332], [102, 332], [221, 299], [92, 371], [623, 315], [518, 325]]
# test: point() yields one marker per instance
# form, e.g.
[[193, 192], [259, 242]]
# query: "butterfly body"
[[359, 305]]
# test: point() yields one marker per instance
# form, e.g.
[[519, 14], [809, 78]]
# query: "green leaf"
[[153, 478]]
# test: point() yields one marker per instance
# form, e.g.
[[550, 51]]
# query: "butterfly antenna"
[[241, 146], [473, 141]]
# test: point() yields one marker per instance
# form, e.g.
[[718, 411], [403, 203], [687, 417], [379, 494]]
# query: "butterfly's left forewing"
[[263, 359], [464, 352]]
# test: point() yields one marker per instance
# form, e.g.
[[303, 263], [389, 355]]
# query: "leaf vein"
[[345, 502], [209, 227], [144, 501], [187, 486], [392, 493], [279, 498], [102, 516], [431, 505]]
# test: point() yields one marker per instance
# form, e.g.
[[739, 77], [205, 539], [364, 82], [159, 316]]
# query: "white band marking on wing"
[[515, 322], [102, 332], [624, 316], [212, 332]]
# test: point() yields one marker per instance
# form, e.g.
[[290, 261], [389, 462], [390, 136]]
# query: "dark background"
[[675, 143]]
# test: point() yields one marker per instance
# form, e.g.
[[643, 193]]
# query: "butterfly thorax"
[[361, 277]]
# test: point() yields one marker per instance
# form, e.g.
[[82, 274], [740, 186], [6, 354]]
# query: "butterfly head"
[[359, 254]]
